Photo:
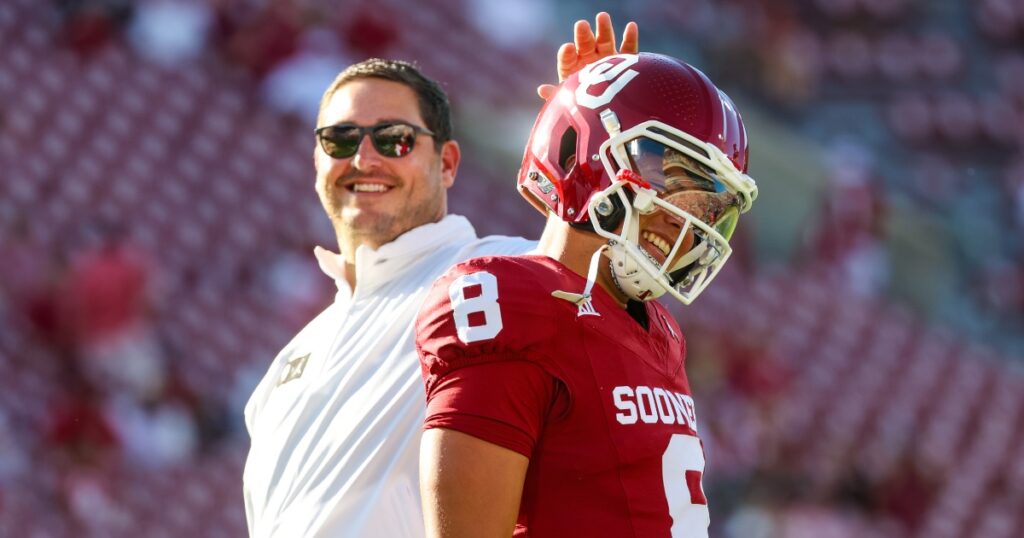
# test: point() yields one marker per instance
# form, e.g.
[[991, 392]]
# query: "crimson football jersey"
[[600, 404]]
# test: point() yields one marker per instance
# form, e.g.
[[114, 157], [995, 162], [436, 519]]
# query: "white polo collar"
[[374, 267]]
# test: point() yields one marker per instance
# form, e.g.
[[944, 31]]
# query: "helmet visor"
[[684, 183]]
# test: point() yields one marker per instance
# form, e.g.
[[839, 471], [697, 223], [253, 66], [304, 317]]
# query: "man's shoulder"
[[497, 245]]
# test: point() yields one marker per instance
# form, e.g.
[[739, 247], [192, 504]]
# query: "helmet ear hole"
[[613, 219], [567, 149]]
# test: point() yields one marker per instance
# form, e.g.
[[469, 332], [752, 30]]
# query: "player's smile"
[[659, 232], [659, 242], [651, 245], [657, 247]]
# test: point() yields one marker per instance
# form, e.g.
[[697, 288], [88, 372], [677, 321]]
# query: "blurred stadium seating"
[[895, 411]]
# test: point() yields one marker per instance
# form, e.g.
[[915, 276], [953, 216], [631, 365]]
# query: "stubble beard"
[[376, 227]]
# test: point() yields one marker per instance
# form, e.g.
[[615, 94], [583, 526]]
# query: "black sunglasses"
[[392, 139]]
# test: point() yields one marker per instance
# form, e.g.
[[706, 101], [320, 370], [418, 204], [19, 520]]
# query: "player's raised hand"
[[588, 48]]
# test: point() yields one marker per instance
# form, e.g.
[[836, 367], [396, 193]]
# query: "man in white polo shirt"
[[335, 424]]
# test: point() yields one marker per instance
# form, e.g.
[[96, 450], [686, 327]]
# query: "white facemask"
[[663, 169]]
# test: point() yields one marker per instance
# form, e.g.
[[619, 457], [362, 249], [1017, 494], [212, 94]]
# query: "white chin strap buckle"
[[633, 280]]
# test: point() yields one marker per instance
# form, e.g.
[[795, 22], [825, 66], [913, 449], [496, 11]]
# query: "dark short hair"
[[432, 100]]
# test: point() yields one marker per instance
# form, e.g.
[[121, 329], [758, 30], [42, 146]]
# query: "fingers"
[[568, 61], [546, 91], [588, 47], [605, 35], [630, 39], [583, 37]]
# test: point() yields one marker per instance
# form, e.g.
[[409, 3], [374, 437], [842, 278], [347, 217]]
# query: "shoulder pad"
[[486, 309]]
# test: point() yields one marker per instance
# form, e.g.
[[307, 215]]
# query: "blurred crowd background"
[[857, 368]]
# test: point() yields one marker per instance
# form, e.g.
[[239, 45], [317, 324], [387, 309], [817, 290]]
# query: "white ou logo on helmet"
[[613, 69]]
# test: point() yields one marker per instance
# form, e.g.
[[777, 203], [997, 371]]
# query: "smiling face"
[[684, 217], [691, 187], [372, 199]]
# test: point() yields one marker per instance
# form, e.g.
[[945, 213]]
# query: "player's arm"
[[588, 48], [470, 487], [483, 421], [489, 393]]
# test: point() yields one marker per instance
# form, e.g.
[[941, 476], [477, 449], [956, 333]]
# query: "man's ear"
[[450, 157]]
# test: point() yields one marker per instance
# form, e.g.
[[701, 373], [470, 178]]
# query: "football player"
[[558, 404]]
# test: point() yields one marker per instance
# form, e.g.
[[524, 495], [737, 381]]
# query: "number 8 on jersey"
[[475, 306]]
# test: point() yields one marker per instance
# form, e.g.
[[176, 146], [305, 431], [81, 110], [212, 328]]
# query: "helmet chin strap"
[[579, 299], [630, 277]]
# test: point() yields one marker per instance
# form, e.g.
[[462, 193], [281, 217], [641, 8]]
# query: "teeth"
[[369, 187], [657, 241]]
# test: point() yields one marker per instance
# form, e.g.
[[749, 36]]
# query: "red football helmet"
[[631, 134]]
